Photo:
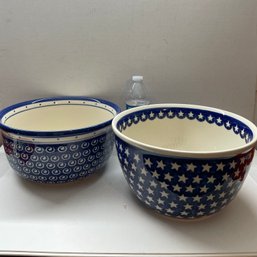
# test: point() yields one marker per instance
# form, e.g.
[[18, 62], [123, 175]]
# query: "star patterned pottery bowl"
[[58, 140], [185, 161]]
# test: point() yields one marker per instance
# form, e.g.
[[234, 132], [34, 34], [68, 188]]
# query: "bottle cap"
[[137, 78]]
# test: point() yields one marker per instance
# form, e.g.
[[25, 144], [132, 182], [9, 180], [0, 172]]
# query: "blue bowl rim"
[[57, 133], [179, 153]]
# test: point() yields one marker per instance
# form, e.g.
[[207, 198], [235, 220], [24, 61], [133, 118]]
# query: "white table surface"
[[100, 217]]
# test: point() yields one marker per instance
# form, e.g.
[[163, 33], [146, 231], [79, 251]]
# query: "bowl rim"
[[52, 133], [180, 153]]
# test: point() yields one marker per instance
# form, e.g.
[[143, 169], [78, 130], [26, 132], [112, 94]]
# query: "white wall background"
[[201, 51]]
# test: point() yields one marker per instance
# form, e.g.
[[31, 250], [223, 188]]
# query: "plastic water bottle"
[[136, 93]]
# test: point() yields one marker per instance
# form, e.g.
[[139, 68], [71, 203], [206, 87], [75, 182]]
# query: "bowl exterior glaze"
[[58, 163], [62, 156], [183, 187]]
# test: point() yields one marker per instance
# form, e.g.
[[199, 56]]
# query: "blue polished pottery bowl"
[[58, 140], [185, 161]]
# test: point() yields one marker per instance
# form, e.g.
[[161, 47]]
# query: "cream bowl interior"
[[187, 135], [58, 115]]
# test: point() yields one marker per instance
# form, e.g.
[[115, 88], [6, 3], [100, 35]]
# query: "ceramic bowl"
[[57, 140], [185, 161]]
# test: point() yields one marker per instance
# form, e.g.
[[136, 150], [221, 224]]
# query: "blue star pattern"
[[58, 163], [179, 187], [185, 188]]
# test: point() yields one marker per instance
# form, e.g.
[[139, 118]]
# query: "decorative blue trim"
[[218, 119], [57, 133]]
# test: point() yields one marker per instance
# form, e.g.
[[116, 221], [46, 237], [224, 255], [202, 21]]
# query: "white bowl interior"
[[184, 135], [58, 116]]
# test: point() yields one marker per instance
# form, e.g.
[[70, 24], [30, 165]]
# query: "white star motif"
[[201, 206], [160, 114], [206, 167], [210, 118], [131, 181], [182, 178], [153, 184], [236, 128], [197, 179], [139, 192], [222, 195], [200, 213], [219, 120], [144, 171], [228, 124], [169, 211], [210, 197], [158, 208], [188, 207], [180, 114], [173, 205], [211, 179], [175, 166], [121, 148], [150, 199], [224, 201], [141, 180], [200, 116], [220, 166], [190, 115], [191, 167], [197, 198], [143, 116], [176, 188], [237, 173], [242, 132], [136, 157], [168, 177], [204, 189], [124, 124], [232, 191], [133, 166], [170, 113], [127, 152], [164, 194], [126, 162], [155, 174], [150, 191], [218, 187], [189, 189], [232, 164], [160, 201], [129, 121], [151, 115], [242, 160], [225, 177], [182, 198], [132, 175], [184, 213], [148, 162], [164, 185], [139, 186], [160, 164], [230, 184], [214, 204]]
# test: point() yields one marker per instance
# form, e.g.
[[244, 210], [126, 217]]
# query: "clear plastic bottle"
[[136, 93]]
